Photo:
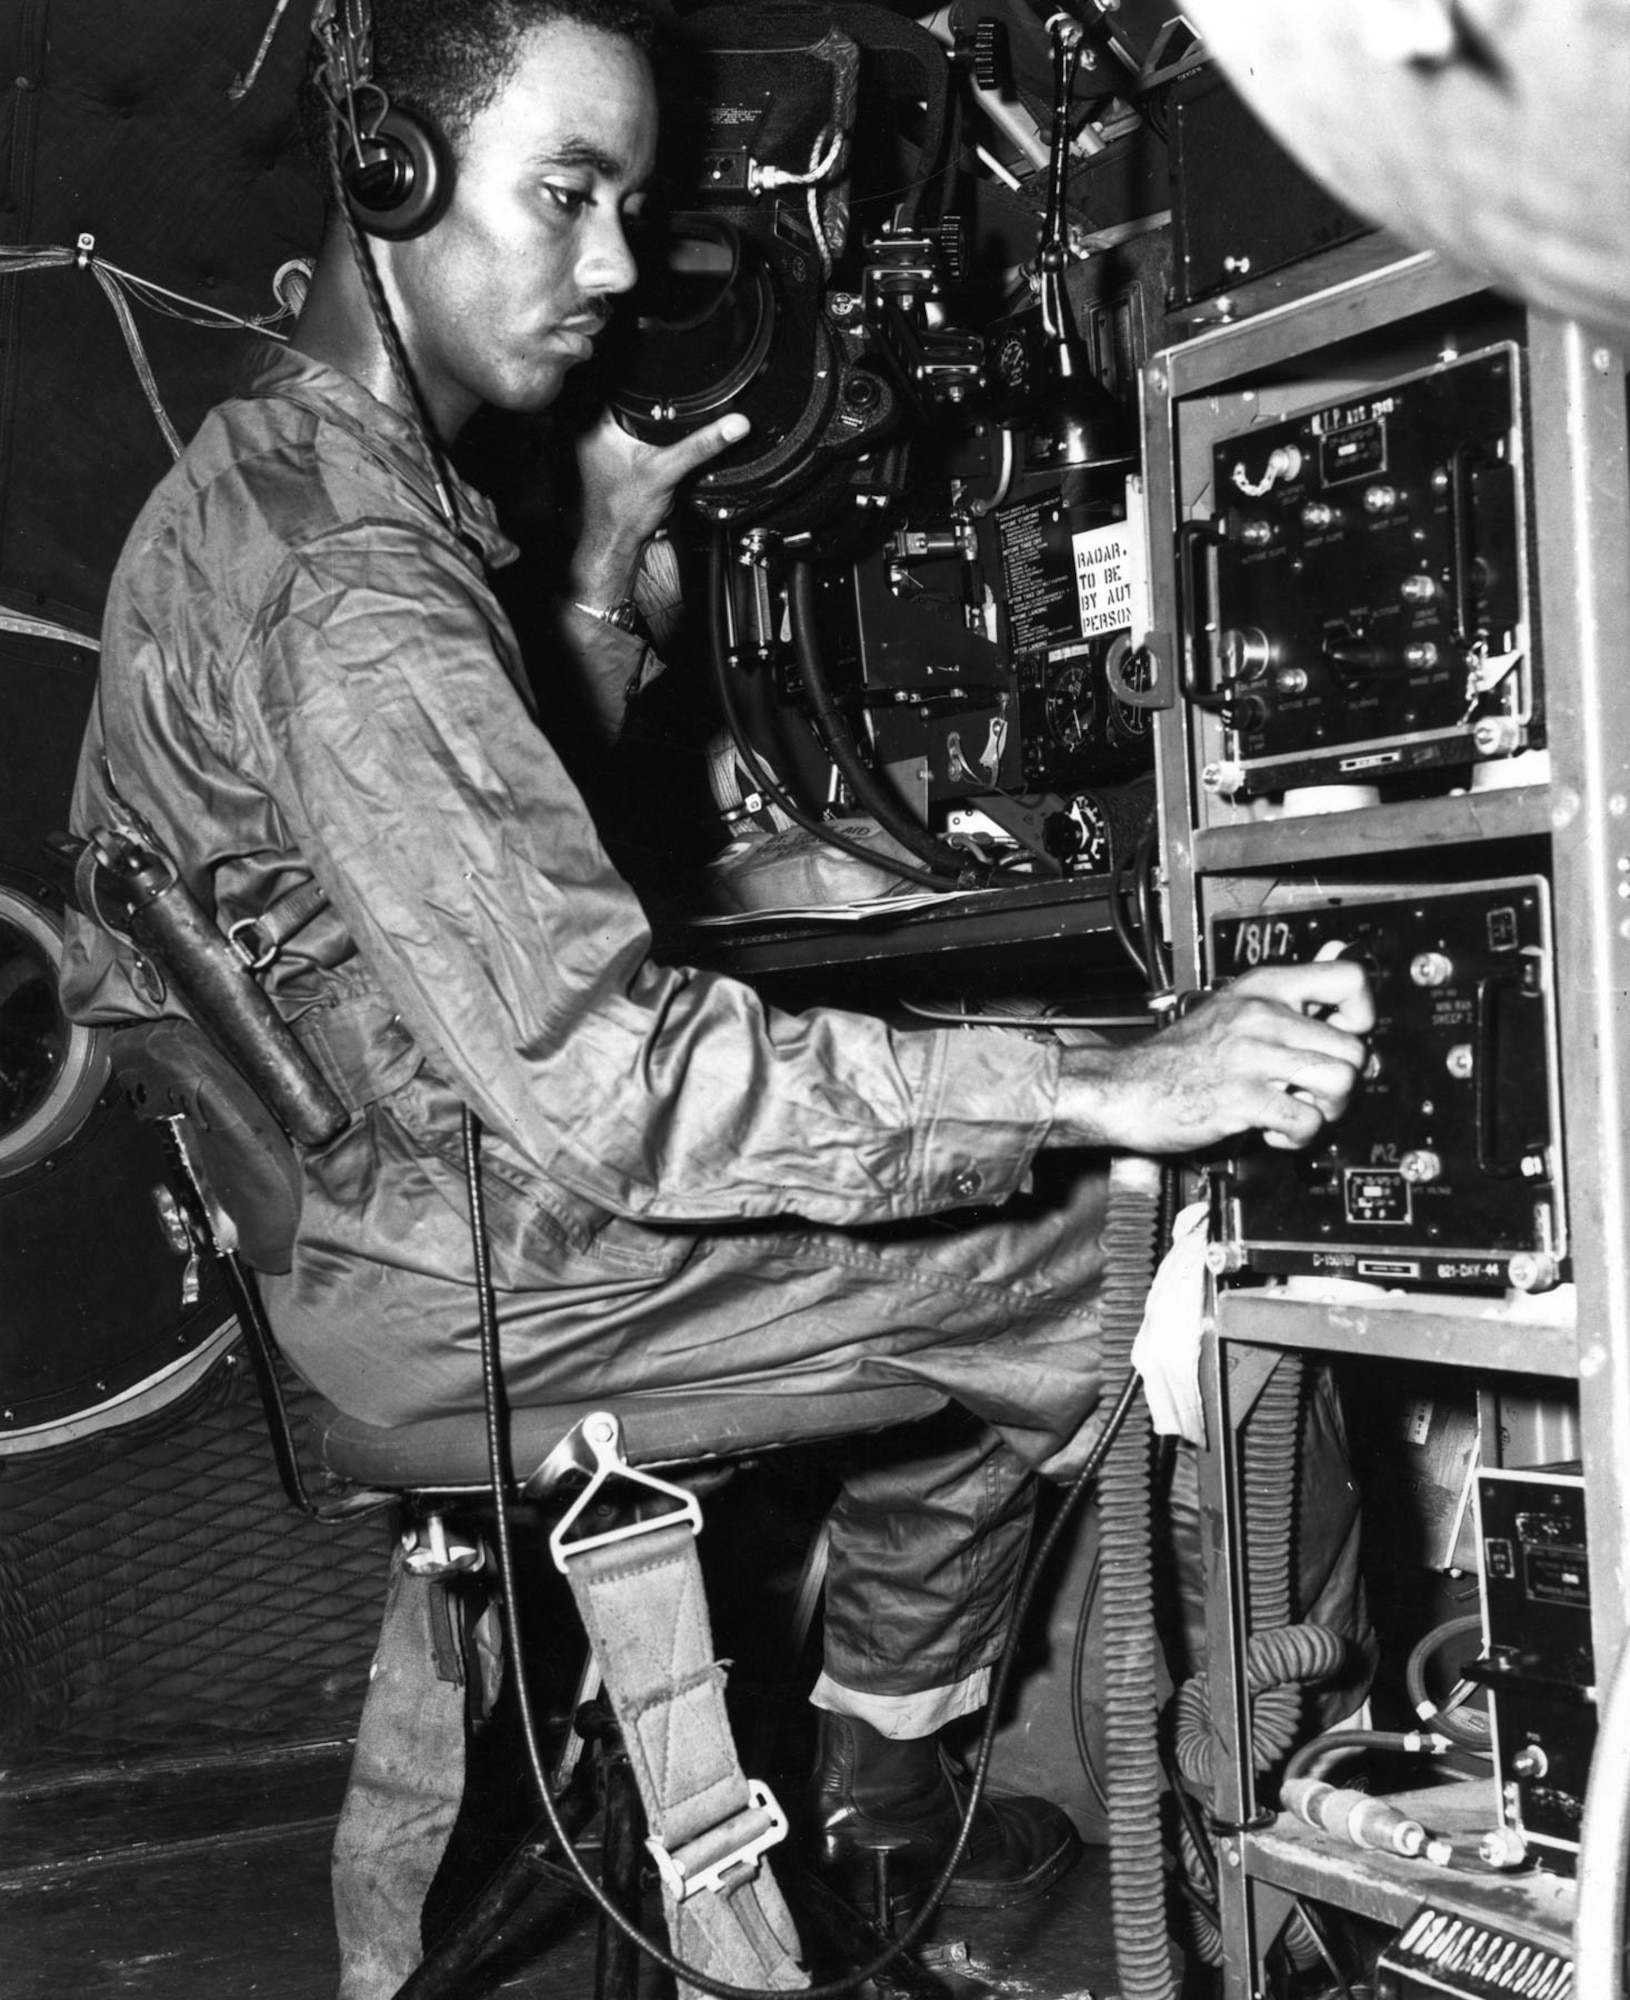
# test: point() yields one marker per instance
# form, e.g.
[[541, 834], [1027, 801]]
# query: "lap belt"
[[639, 1592]]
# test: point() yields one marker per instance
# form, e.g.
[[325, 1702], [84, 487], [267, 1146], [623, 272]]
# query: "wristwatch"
[[624, 614]]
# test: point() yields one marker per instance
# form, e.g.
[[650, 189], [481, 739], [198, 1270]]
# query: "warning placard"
[[1109, 578]]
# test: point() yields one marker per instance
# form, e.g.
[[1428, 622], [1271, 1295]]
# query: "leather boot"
[[872, 1792]]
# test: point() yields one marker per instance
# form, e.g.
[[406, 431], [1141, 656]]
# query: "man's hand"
[[1276, 1052], [628, 492]]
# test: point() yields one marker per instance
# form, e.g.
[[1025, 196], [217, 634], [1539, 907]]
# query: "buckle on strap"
[[703, 1863], [595, 1445], [258, 941], [247, 940]]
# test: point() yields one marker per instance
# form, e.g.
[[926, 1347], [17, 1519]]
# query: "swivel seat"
[[611, 1470]]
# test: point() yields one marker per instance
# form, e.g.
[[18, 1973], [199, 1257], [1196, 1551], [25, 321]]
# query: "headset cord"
[[391, 340]]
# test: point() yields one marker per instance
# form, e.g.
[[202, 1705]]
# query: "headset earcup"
[[402, 180]]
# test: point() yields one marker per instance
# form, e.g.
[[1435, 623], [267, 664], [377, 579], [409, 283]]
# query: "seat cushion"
[[447, 1453]]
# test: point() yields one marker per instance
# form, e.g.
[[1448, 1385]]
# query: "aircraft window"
[[50, 1069]]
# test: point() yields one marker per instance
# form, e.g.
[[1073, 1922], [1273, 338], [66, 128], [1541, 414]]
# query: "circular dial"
[[1071, 706], [1137, 672]]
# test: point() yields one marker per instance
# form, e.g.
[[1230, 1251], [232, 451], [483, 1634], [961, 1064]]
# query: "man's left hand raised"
[[628, 492]]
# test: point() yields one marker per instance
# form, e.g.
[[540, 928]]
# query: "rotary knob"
[[1245, 652]]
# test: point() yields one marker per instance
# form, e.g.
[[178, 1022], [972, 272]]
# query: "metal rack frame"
[[1581, 513]]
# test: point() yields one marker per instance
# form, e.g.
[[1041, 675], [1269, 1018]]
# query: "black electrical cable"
[[1078, 1675], [1316, 1932], [1205, 1911], [718, 583], [1034, 1568], [1313, 1757], [1471, 1730], [502, 1481], [956, 122], [1187, 1806], [891, 813], [1188, 1809], [1126, 935], [1154, 945]]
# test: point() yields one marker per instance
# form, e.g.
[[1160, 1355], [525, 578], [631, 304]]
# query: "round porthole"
[[51, 1069]]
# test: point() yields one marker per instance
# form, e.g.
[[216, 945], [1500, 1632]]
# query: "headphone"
[[396, 168]]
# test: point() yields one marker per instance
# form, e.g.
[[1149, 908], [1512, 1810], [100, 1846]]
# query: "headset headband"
[[396, 170]]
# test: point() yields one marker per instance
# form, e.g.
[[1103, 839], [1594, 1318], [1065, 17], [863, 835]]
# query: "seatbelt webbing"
[[406, 1785], [643, 1607]]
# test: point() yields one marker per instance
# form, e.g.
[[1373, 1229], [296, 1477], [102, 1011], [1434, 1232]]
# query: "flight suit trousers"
[[994, 1308]]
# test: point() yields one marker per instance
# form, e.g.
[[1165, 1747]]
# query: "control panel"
[[1359, 605], [1071, 585], [1538, 1656], [1446, 1170]]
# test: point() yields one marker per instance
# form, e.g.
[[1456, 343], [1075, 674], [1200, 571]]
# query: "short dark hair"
[[448, 59]]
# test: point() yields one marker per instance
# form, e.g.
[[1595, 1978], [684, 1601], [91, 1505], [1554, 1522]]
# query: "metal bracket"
[[245, 939], [679, 1880], [595, 1446], [428, 1549]]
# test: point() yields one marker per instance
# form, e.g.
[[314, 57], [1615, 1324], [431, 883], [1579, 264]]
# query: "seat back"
[[237, 1180]]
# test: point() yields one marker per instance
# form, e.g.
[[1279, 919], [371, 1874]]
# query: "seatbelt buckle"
[[706, 1861], [595, 1445]]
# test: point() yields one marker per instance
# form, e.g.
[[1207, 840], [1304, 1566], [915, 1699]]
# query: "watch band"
[[624, 614]]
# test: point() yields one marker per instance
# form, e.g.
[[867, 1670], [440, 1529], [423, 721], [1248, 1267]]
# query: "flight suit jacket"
[[305, 672]]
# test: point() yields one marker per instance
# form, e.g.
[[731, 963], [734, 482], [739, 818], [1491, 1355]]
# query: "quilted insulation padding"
[[157, 1592], [46, 691], [115, 120]]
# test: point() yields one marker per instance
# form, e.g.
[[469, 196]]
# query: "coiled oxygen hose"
[[1279, 1657], [1136, 1868]]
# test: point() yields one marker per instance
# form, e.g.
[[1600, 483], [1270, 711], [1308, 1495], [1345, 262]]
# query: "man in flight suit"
[[306, 673]]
